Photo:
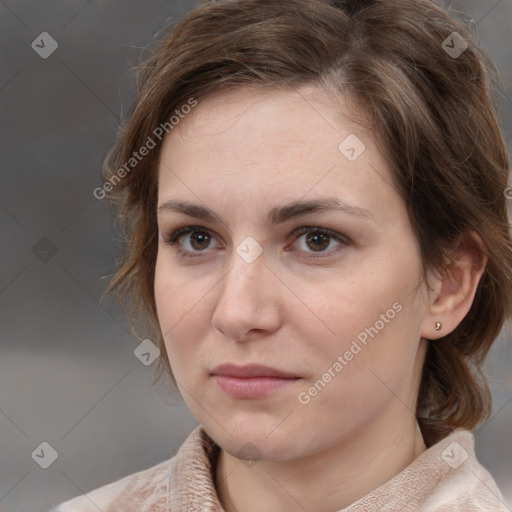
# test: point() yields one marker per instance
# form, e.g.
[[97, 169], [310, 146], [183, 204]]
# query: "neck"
[[323, 482]]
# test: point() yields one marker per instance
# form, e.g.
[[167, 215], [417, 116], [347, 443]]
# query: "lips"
[[251, 381], [251, 371]]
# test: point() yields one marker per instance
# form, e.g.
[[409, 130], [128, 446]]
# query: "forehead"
[[263, 143]]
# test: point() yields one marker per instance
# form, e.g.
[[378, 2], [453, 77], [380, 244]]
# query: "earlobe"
[[453, 292]]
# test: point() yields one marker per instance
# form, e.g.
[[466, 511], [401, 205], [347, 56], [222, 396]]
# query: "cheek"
[[182, 313], [168, 307], [375, 316]]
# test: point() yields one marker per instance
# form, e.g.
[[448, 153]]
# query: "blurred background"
[[68, 373]]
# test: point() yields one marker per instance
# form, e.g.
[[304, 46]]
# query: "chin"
[[255, 439]]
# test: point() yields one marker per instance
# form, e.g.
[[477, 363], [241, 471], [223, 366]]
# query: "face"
[[288, 277]]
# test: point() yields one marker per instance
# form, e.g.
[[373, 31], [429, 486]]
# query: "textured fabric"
[[445, 478]]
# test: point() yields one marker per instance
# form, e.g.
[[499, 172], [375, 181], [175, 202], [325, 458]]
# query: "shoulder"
[[124, 494], [465, 484], [445, 478], [150, 487]]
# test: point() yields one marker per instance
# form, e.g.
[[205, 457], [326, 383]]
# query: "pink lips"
[[251, 381]]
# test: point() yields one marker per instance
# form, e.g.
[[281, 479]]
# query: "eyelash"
[[173, 238]]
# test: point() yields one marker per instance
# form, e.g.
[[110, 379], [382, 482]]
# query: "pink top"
[[447, 477]]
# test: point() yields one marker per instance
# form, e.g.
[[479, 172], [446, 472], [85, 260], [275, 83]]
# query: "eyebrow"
[[276, 215]]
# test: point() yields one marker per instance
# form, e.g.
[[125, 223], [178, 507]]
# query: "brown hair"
[[433, 117]]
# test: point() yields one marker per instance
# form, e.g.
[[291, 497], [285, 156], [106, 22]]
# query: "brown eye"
[[317, 241], [199, 240], [192, 240]]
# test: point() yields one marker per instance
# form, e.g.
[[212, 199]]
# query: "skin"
[[301, 303]]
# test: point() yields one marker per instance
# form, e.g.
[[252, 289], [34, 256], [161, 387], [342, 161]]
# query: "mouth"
[[251, 381]]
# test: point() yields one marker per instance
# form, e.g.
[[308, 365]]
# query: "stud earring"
[[438, 326]]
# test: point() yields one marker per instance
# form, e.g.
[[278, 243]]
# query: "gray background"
[[68, 375]]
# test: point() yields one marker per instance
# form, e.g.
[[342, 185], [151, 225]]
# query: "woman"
[[314, 201]]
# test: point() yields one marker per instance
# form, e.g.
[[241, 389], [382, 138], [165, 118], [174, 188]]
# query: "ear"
[[451, 294]]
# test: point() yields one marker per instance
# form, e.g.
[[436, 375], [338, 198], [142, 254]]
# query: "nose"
[[249, 302]]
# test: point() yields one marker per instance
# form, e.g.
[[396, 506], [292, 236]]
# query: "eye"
[[193, 241], [190, 240], [314, 239]]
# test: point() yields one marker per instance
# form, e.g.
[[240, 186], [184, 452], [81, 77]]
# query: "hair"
[[434, 119]]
